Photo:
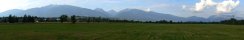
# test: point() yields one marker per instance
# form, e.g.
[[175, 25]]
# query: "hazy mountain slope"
[[135, 14], [57, 10], [131, 14], [16, 12]]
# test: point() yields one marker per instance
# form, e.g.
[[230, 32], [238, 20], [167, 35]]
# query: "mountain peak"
[[132, 10], [99, 10], [134, 14], [14, 10], [60, 6], [57, 5], [112, 11]]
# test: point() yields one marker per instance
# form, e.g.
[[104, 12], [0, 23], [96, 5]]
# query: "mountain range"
[[129, 14]]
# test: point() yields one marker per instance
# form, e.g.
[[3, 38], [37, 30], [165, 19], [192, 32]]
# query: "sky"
[[182, 8]]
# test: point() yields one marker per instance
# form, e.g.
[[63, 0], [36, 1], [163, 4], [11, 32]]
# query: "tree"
[[63, 18], [73, 19], [242, 22], [25, 19], [10, 19], [15, 19], [171, 21], [230, 21], [5, 19], [162, 21]]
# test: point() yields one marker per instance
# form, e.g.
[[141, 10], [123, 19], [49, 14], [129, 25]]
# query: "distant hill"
[[57, 10], [135, 14], [13, 12], [131, 14], [112, 13]]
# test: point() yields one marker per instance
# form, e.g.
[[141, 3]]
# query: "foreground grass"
[[121, 31]]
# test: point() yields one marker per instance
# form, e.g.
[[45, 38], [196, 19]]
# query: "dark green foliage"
[[15, 19], [25, 19], [29, 19], [162, 21], [233, 21], [73, 19], [86, 19], [63, 18], [12, 19]]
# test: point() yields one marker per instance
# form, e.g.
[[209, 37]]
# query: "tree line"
[[15, 19], [86, 19], [233, 21]]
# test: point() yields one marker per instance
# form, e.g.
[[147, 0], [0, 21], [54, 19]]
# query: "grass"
[[121, 31]]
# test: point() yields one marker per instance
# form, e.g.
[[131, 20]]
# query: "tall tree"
[[11, 19], [73, 19], [63, 18], [25, 19], [232, 21]]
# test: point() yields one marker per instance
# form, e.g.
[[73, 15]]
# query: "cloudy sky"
[[183, 8]]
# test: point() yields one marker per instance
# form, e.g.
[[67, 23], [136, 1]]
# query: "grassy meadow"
[[121, 31]]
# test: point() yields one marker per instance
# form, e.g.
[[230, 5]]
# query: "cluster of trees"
[[68, 19], [75, 19], [64, 18], [15, 19], [233, 21]]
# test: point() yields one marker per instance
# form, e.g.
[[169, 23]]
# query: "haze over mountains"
[[130, 14]]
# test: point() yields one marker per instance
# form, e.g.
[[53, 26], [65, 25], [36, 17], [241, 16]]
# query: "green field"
[[121, 31]]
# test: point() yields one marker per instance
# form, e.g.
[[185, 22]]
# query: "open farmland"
[[121, 31]]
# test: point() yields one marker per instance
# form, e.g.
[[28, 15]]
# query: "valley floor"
[[121, 31]]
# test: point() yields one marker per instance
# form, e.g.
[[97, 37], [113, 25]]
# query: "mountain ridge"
[[130, 14]]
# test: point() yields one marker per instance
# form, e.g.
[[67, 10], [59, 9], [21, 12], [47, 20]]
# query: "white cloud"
[[222, 7], [184, 6], [12, 4], [148, 9], [227, 6], [203, 4], [26, 4]]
